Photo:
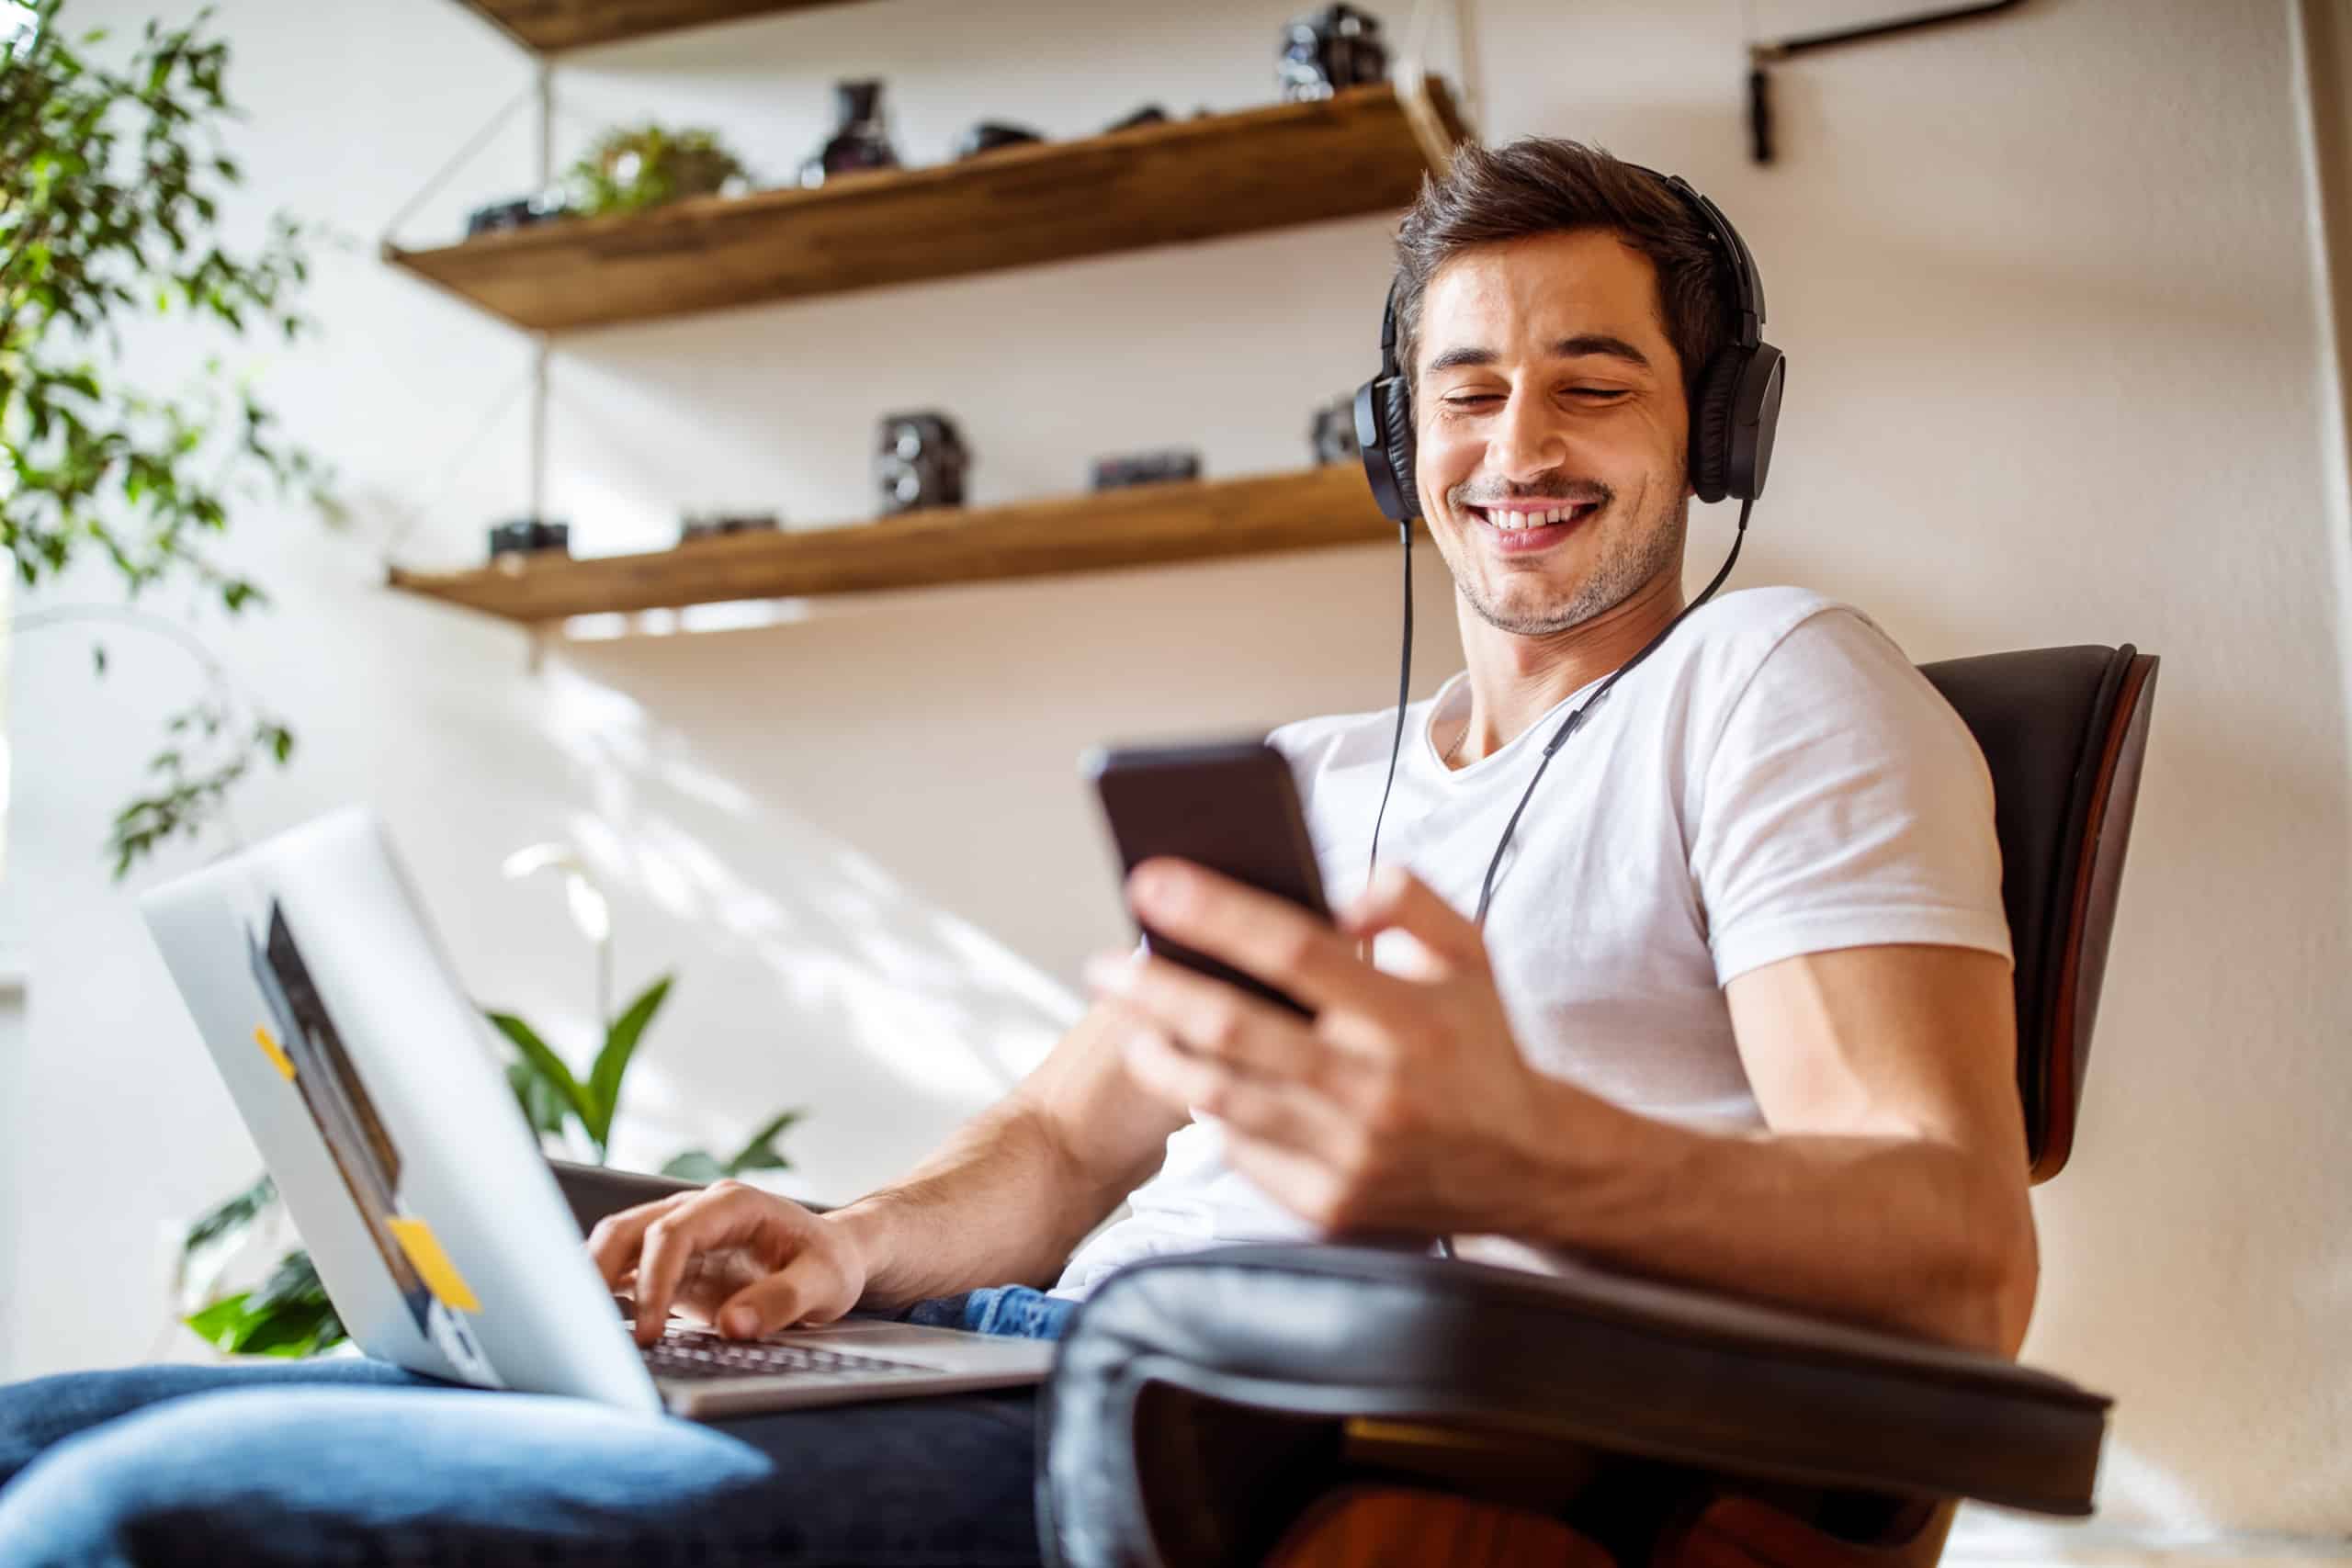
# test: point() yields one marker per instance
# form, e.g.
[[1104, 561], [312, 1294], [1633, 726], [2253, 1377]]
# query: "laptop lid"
[[371, 1085]]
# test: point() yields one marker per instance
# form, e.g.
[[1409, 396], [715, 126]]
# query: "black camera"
[[519, 213], [1150, 114], [858, 140], [991, 134], [1331, 433], [528, 535], [1334, 48], [712, 526], [919, 460], [1146, 468]]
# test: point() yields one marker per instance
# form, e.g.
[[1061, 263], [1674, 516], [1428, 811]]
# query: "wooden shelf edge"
[[1146, 526], [626, 23], [573, 272]]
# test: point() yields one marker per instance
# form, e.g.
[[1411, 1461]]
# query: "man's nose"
[[1527, 440]]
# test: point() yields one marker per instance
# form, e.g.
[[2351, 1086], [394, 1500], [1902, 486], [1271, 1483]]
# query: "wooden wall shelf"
[[1192, 179], [551, 26], [1146, 526]]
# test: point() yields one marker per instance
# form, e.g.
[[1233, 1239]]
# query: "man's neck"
[[1514, 681]]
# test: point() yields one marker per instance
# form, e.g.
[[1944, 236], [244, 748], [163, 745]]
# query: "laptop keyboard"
[[691, 1353]]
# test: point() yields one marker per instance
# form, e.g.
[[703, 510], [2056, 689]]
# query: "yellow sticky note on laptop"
[[275, 1051], [433, 1265]]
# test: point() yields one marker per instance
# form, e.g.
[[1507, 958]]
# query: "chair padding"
[[1626, 1365]]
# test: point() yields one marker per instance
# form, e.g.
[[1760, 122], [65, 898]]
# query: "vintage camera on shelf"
[[1150, 114], [991, 134], [1331, 433], [858, 140], [919, 460], [520, 214], [1146, 468], [529, 536], [717, 524], [1334, 48]]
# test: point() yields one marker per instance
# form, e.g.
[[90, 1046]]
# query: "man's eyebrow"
[[1581, 346]]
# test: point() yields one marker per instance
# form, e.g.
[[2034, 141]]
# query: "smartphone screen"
[[1231, 807]]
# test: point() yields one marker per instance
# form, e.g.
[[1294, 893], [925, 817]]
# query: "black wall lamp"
[[1763, 54]]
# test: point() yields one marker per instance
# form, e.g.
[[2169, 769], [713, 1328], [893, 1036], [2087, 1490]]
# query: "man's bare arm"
[[1001, 1203], [1890, 1186], [1007, 1195]]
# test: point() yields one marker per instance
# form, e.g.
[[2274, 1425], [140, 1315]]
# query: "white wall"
[[2046, 288]]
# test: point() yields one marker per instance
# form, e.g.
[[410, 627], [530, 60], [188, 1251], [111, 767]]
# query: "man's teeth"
[[1517, 521]]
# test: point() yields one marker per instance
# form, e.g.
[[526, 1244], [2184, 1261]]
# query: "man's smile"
[[1517, 526]]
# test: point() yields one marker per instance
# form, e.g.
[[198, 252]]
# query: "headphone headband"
[[1748, 287]]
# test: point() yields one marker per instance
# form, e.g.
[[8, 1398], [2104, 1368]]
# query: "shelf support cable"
[[1412, 81], [462, 157], [543, 85]]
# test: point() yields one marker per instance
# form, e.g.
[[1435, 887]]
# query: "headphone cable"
[[1559, 739], [1575, 720], [1404, 688]]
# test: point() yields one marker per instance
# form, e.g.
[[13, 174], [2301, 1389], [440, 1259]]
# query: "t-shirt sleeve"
[[1844, 805]]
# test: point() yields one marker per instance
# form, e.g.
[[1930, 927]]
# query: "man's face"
[[1545, 385]]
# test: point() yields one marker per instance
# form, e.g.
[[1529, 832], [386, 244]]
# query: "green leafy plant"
[[289, 1313], [112, 182], [549, 1093], [632, 168]]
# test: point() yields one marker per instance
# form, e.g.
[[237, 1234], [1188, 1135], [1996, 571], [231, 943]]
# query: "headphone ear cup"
[[1711, 421], [1397, 419], [1385, 439], [1755, 417]]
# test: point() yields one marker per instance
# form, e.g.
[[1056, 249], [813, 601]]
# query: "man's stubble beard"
[[1629, 561]]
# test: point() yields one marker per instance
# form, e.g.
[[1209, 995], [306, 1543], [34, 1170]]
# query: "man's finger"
[[1212, 1018], [614, 1240], [1267, 1109], [717, 1216], [1396, 899], [1257, 933], [779, 1300]]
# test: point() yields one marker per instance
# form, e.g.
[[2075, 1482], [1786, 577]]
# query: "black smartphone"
[[1230, 806]]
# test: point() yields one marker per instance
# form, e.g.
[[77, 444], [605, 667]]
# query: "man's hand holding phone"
[[1403, 1104]]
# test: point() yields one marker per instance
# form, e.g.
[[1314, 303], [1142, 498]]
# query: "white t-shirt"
[[1776, 779]]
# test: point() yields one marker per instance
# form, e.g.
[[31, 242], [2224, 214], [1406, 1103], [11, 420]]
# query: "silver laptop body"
[[372, 1088]]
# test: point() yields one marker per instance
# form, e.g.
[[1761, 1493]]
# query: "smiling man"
[[1731, 1007], [1739, 1012]]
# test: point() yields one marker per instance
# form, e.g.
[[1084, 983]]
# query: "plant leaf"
[[221, 1323], [548, 1066], [759, 1151], [694, 1165], [543, 1107], [620, 1044], [232, 1216]]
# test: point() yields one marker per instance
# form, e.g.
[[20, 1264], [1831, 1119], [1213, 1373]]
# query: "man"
[[1738, 1015]]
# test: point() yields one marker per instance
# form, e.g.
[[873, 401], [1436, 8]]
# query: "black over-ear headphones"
[[1733, 412]]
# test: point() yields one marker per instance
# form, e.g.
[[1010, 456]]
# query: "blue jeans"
[[357, 1461], [1003, 1309]]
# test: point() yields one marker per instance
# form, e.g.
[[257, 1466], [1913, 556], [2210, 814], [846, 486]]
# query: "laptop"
[[374, 1090]]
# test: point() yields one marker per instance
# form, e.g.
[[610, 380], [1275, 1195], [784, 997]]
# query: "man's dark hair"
[[1542, 184]]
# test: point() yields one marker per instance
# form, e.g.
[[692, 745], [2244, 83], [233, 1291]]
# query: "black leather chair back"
[[2064, 730]]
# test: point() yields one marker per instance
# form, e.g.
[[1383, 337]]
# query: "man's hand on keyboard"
[[745, 1261]]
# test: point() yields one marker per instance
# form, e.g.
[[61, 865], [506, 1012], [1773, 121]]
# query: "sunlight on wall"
[[724, 616], [798, 933]]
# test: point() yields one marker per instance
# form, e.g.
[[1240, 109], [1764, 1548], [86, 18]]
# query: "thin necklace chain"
[[1448, 758]]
